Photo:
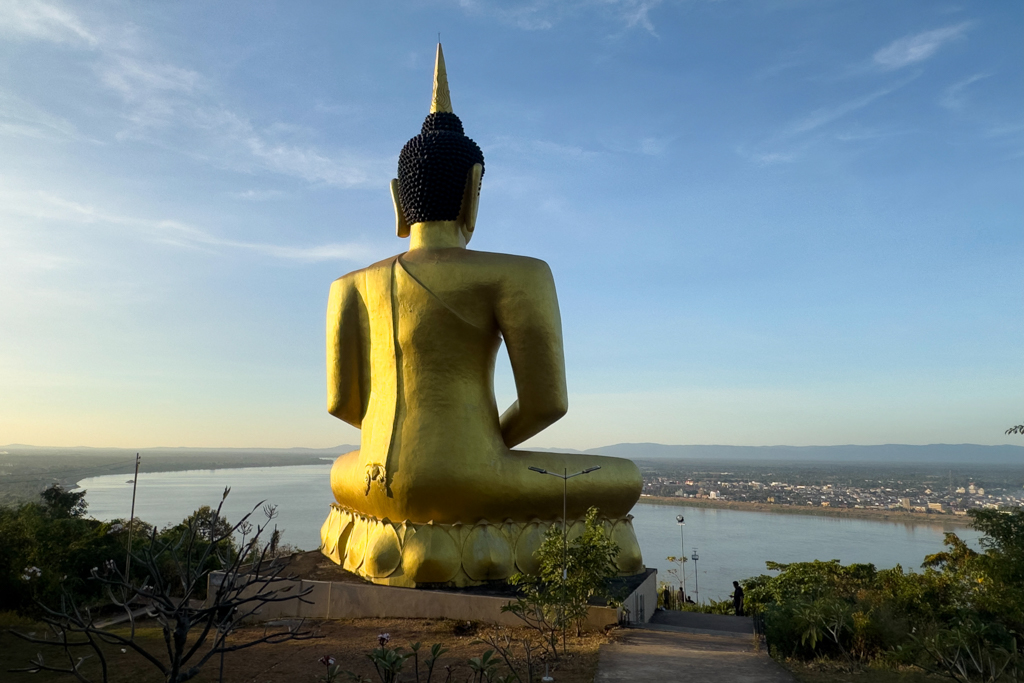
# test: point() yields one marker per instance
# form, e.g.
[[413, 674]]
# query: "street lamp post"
[[682, 554], [565, 477], [696, 583]]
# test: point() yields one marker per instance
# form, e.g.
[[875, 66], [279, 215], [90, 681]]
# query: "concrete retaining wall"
[[331, 600]]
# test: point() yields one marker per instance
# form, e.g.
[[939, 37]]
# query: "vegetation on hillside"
[[962, 616], [80, 577]]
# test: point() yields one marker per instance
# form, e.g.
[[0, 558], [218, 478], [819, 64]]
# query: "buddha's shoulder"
[[476, 265], [500, 264], [357, 276]]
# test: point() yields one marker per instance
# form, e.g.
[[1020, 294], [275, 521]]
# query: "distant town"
[[950, 492]]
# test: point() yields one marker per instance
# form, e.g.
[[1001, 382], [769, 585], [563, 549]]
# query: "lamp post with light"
[[565, 477], [696, 583], [682, 553]]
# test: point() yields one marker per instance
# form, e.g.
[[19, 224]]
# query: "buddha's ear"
[[470, 201], [401, 225]]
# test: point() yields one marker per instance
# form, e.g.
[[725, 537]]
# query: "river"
[[731, 544]]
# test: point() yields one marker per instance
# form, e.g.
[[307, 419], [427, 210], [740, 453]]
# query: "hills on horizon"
[[1006, 454]]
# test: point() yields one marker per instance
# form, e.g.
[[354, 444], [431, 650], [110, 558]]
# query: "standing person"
[[737, 598], [683, 599], [666, 598]]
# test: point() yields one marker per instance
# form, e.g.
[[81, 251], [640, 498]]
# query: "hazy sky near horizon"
[[777, 222]]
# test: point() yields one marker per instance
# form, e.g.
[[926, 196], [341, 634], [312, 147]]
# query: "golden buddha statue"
[[434, 494]]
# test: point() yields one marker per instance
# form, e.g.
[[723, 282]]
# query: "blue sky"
[[770, 222]]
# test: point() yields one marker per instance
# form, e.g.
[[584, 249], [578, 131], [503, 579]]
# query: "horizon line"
[[545, 448]]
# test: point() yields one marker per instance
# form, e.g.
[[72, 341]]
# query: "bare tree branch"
[[247, 579]]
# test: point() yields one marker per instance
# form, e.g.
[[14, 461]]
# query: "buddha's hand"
[[374, 472]]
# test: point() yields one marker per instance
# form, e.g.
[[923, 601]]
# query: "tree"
[[176, 568], [559, 595], [63, 504], [48, 549]]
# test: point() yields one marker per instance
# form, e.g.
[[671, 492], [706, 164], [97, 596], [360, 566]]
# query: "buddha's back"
[[435, 492], [431, 428]]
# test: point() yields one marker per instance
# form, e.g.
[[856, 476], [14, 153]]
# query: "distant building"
[[936, 507], [905, 503]]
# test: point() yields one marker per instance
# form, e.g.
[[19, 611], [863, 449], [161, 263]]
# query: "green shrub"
[[963, 616], [554, 599], [49, 547]]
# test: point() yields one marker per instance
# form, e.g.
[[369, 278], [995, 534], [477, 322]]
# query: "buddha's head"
[[439, 170]]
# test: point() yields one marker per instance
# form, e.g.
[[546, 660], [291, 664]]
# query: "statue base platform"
[[333, 593], [407, 554]]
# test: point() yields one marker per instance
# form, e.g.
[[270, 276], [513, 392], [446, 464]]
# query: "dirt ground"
[[348, 641]]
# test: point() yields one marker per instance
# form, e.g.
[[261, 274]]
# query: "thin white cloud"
[[531, 148], [33, 260], [786, 145], [772, 158], [825, 115], [166, 101], [954, 96], [171, 106], [1004, 130], [858, 133], [638, 13], [137, 79], [918, 47], [21, 118], [307, 163], [652, 146], [259, 195], [47, 206], [43, 21], [541, 15]]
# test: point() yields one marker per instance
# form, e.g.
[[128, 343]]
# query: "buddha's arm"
[[345, 395], [527, 314]]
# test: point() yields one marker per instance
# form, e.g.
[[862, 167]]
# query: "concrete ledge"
[[346, 600]]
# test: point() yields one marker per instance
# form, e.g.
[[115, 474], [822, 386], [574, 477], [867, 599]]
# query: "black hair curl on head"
[[432, 169]]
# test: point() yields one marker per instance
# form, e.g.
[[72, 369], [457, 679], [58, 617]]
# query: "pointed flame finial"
[[442, 99]]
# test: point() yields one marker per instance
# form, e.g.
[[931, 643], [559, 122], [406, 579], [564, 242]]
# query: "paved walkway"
[[684, 646]]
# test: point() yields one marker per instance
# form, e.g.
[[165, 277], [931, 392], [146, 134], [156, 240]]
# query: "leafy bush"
[[963, 616], [570, 578], [49, 547], [176, 566]]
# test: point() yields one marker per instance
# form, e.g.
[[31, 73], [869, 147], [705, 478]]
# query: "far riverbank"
[[874, 514], [26, 470]]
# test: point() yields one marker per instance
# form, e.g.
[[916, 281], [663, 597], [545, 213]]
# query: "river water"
[[731, 544]]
